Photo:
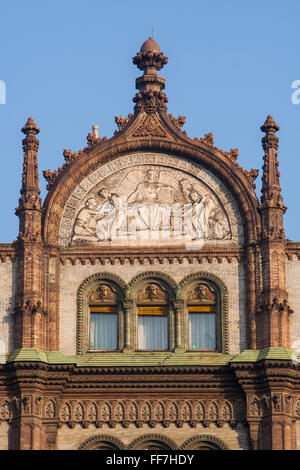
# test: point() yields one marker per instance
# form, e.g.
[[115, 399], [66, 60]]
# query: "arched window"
[[152, 317], [204, 442], [102, 442], [152, 442], [103, 306], [203, 318]]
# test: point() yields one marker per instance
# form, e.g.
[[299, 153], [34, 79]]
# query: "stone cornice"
[[7, 252], [293, 250], [151, 256]]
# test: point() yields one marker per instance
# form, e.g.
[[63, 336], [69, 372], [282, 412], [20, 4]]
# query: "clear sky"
[[68, 64]]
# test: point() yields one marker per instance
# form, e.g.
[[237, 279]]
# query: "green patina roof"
[[141, 359]]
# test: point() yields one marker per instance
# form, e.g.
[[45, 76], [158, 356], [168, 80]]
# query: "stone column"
[[179, 325], [128, 326]]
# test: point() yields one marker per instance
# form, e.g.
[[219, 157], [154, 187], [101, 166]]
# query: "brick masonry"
[[293, 289], [7, 290], [235, 439], [232, 274]]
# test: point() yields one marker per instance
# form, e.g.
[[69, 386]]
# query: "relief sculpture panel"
[[144, 200]]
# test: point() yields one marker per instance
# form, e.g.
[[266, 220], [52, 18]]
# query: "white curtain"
[[104, 331], [202, 331], [152, 332]]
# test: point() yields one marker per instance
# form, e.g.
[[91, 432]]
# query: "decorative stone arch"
[[83, 293], [186, 411], [132, 411], [159, 405], [172, 407], [119, 412], [238, 184], [106, 442], [65, 413], [166, 284], [78, 412], [146, 411], [162, 442], [222, 299], [106, 412], [204, 441], [50, 409], [226, 405], [92, 411], [156, 276], [212, 405]]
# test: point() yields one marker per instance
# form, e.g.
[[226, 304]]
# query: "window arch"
[[103, 307], [153, 294], [202, 312], [152, 303], [206, 312], [100, 314], [152, 442], [204, 442], [102, 442]]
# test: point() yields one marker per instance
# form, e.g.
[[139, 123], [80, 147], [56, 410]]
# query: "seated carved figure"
[[85, 223]]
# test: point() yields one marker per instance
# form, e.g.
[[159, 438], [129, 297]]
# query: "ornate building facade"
[[151, 301]]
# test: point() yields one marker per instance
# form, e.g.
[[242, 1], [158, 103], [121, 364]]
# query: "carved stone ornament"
[[297, 408], [202, 293], [122, 122], [4, 411], [152, 293], [50, 409], [136, 202], [79, 412], [66, 413], [178, 122], [150, 126], [255, 407], [104, 294], [92, 413]]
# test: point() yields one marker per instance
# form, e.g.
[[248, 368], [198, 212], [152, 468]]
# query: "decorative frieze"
[[151, 413]]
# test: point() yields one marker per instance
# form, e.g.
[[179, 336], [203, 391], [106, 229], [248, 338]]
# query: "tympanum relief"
[[143, 204], [152, 293]]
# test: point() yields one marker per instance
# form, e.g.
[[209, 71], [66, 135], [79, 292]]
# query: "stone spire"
[[271, 189], [272, 208], [274, 312], [150, 97], [29, 314], [30, 190]]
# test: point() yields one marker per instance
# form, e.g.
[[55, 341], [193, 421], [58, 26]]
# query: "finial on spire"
[[270, 140], [150, 59], [270, 126], [30, 127]]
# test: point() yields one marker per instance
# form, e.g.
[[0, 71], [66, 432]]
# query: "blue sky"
[[69, 65]]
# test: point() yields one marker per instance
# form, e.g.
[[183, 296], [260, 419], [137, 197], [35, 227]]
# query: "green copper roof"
[[113, 359]]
